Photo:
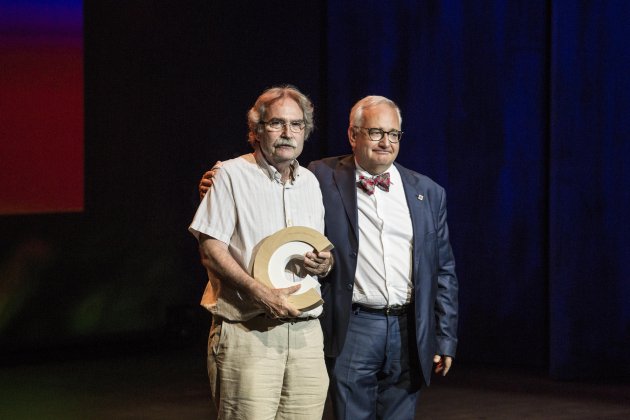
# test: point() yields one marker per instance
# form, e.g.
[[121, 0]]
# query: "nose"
[[384, 142], [285, 129]]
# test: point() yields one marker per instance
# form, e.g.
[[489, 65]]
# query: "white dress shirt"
[[383, 276], [247, 203]]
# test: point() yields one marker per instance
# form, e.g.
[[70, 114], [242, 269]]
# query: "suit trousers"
[[266, 369], [376, 375]]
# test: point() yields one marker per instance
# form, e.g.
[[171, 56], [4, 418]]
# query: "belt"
[[294, 320], [394, 310], [287, 320]]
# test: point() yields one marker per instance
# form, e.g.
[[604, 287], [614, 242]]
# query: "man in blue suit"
[[390, 302], [390, 309]]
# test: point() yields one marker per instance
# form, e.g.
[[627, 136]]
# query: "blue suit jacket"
[[434, 279]]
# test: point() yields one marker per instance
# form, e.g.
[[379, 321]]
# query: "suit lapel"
[[417, 200], [418, 204], [345, 180]]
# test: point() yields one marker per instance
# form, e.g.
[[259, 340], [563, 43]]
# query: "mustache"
[[285, 142]]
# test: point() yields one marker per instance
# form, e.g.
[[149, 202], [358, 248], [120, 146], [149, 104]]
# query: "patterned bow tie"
[[367, 184]]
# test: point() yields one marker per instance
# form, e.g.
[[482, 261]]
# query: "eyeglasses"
[[278, 125], [376, 134]]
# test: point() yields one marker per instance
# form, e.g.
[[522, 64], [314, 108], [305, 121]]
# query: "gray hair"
[[256, 114], [356, 114]]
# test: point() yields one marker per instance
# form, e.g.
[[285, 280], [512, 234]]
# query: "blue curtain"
[[589, 275], [519, 109]]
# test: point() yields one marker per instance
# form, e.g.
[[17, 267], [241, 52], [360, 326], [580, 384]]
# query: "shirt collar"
[[360, 171]]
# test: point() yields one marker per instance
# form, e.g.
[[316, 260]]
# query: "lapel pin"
[[420, 197]]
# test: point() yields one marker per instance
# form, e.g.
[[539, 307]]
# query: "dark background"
[[518, 108]]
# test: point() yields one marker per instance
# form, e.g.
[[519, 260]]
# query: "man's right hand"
[[206, 180], [276, 303]]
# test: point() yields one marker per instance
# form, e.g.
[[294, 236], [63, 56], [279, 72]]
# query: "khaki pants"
[[264, 369]]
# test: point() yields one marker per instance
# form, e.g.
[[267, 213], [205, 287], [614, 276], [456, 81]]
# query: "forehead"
[[381, 116], [285, 108]]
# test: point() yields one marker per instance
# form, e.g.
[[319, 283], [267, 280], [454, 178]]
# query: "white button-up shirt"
[[383, 275], [247, 203]]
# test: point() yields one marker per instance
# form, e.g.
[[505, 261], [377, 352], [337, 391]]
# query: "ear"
[[352, 137]]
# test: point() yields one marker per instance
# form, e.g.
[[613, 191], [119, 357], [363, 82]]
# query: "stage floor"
[[171, 384]]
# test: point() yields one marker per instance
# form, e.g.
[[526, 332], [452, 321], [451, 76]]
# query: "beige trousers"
[[267, 370]]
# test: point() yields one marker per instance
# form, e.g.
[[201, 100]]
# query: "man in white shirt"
[[390, 312], [265, 357]]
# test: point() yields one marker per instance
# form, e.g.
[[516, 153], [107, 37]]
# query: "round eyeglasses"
[[377, 134], [278, 125]]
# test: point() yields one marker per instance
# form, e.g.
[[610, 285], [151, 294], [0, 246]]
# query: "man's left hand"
[[442, 364], [318, 263]]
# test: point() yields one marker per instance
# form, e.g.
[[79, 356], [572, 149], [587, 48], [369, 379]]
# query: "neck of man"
[[285, 169], [377, 170]]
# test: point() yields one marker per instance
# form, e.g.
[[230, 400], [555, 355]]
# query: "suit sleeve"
[[446, 305]]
